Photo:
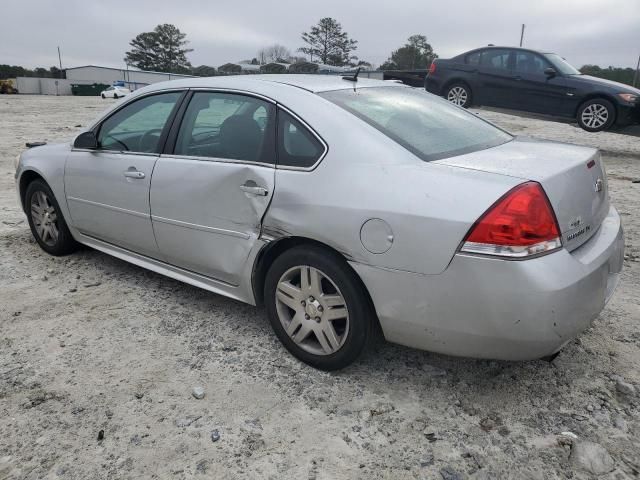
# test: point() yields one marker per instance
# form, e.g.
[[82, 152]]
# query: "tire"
[[103, 97], [596, 115], [42, 207], [341, 308], [115, 97], [459, 94]]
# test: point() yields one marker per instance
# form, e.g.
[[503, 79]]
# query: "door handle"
[[132, 173], [254, 189]]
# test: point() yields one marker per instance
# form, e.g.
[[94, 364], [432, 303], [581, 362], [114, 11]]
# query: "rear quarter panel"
[[365, 175]]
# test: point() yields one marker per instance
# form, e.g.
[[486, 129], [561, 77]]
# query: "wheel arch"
[[26, 178], [275, 248]]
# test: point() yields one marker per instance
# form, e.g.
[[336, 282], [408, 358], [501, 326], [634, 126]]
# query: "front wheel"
[[317, 307], [103, 97], [46, 221], [115, 96], [596, 115], [459, 94]]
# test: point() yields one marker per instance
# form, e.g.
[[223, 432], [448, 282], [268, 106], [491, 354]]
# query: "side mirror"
[[550, 72], [86, 140]]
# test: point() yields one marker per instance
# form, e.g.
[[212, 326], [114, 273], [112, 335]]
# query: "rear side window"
[[528, 62], [426, 125], [227, 126], [297, 146], [473, 58], [495, 58]]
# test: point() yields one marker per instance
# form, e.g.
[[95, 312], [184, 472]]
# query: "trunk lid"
[[573, 178]]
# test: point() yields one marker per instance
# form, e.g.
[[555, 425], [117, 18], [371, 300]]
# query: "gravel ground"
[[99, 359]]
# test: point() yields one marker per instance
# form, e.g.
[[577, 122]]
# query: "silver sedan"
[[340, 205]]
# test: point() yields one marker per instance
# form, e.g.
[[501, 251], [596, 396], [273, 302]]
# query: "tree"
[[274, 53], [415, 54], [328, 43], [162, 50]]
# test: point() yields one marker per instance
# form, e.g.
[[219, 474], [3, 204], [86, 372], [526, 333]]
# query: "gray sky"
[[604, 32]]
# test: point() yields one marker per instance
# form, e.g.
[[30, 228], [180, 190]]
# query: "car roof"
[[311, 82], [503, 47]]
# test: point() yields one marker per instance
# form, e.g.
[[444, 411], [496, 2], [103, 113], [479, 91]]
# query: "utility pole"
[[522, 34], [60, 59], [637, 74]]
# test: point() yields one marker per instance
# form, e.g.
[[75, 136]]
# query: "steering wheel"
[[149, 140], [124, 145]]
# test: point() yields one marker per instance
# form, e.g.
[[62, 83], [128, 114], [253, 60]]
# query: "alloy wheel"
[[458, 96], [595, 115], [45, 218], [312, 310]]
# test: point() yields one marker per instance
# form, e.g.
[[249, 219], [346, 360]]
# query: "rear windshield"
[[424, 124]]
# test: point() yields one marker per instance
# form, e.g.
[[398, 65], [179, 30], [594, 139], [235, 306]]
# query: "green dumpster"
[[88, 90]]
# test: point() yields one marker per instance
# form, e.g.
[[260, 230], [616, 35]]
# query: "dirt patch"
[[91, 344]]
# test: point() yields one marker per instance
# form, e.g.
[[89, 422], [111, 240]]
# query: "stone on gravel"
[[198, 392], [591, 457], [448, 473], [625, 388], [215, 436]]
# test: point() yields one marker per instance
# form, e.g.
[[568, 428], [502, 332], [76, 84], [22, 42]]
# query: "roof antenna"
[[354, 77]]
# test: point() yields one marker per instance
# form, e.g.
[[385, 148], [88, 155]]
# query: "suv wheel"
[[596, 115], [317, 307], [459, 94], [45, 220]]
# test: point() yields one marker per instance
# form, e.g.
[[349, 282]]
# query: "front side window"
[[227, 126], [530, 63], [137, 127], [424, 124], [297, 146], [496, 58]]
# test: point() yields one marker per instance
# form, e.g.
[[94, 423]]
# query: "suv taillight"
[[522, 223], [432, 68]]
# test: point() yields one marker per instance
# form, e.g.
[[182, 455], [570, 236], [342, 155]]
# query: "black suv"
[[537, 82]]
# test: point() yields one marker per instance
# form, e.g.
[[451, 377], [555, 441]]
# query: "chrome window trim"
[[198, 158], [314, 133], [114, 152]]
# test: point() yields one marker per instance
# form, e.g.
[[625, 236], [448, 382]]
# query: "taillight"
[[432, 68], [520, 224]]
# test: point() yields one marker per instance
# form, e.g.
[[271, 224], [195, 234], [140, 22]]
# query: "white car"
[[115, 92]]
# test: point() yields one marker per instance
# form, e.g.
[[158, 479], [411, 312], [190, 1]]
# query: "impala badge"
[[599, 185]]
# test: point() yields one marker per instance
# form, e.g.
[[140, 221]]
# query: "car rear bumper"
[[491, 308], [432, 85]]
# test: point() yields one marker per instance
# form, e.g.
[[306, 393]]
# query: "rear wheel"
[[115, 95], [103, 96], [317, 307], [46, 221], [596, 115], [459, 94]]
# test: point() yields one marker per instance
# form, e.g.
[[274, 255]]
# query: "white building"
[[108, 75], [90, 74]]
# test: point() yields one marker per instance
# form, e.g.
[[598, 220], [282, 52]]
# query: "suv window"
[[137, 126], [297, 146], [528, 62], [229, 126], [473, 58], [495, 58]]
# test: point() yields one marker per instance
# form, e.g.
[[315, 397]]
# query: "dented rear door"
[[206, 206]]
